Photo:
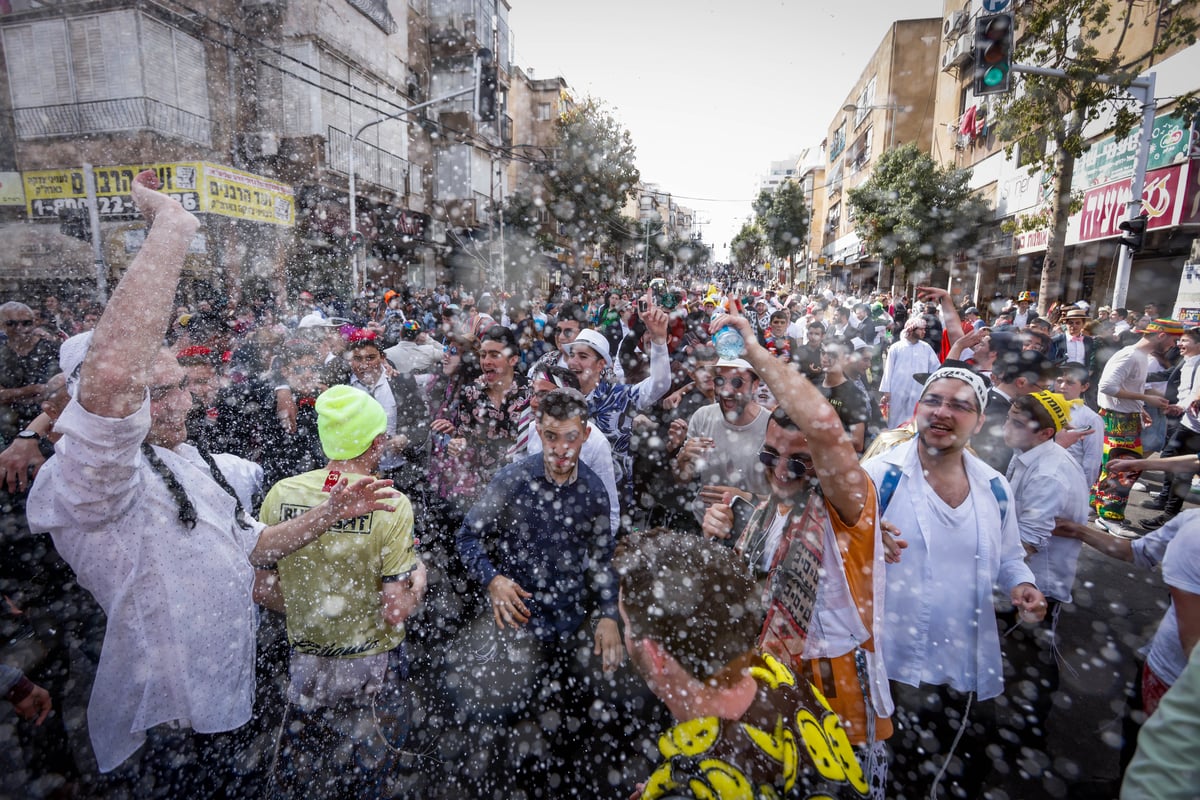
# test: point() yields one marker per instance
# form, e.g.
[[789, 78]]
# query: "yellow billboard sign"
[[199, 186]]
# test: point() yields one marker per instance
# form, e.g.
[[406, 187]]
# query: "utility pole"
[[474, 88]]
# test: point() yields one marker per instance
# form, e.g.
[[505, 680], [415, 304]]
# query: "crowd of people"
[[428, 543]]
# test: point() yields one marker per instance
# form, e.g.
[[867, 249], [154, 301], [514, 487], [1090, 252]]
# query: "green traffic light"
[[994, 76]]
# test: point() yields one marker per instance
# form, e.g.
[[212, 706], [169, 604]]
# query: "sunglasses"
[[736, 382], [450, 351], [797, 465], [18, 323]]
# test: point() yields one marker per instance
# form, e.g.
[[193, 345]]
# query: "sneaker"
[[1156, 503], [1140, 487], [1155, 522], [1123, 531]]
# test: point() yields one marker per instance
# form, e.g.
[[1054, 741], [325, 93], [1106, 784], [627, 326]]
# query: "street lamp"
[[884, 107], [474, 88]]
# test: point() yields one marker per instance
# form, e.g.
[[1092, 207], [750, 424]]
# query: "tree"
[[783, 218], [1046, 116], [913, 212], [592, 175], [748, 245]]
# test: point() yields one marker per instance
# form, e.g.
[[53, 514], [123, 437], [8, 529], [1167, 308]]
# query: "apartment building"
[[1008, 262], [891, 103]]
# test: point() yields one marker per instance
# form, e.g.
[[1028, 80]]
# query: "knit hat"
[[348, 420], [1171, 327], [1058, 407]]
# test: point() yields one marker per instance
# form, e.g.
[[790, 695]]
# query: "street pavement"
[[1115, 610]]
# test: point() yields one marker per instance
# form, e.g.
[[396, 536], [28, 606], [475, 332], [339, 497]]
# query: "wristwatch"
[[30, 435]]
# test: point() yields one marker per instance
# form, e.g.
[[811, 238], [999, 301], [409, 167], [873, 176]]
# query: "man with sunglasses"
[[816, 545], [720, 455], [27, 360]]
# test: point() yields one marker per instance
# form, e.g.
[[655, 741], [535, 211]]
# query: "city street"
[[1115, 611]]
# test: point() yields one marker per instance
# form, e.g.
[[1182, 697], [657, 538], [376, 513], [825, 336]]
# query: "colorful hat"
[[348, 420], [1171, 327], [1026, 297], [1058, 407]]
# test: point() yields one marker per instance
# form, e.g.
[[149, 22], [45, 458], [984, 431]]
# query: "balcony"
[[371, 164], [110, 116]]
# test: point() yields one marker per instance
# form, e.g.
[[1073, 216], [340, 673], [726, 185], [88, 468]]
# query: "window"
[[377, 12], [838, 143], [859, 153], [543, 111], [84, 74], [866, 99]]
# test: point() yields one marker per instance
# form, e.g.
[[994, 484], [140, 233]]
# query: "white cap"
[[595, 340], [734, 363], [70, 358], [314, 320]]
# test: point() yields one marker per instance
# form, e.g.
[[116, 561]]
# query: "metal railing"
[[371, 163], [106, 116]]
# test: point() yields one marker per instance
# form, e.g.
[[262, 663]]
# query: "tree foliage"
[[593, 173], [915, 212], [748, 245], [783, 217], [1047, 116]]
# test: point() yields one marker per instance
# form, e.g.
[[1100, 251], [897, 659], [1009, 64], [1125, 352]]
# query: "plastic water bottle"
[[728, 342]]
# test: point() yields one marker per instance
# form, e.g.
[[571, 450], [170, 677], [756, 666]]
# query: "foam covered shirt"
[[333, 586], [179, 645], [1180, 570], [1047, 483]]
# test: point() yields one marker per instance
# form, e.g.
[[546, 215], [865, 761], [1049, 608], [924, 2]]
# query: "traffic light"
[[1135, 228], [485, 85], [993, 53]]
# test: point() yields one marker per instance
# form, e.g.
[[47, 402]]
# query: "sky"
[[710, 91]]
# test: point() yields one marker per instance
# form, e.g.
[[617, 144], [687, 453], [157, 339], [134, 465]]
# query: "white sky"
[[711, 91]]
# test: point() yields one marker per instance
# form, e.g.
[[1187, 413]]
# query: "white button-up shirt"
[[1047, 483], [179, 646]]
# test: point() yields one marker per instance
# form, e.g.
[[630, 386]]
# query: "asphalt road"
[[1116, 610]]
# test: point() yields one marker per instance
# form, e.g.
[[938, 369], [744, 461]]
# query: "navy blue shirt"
[[553, 540]]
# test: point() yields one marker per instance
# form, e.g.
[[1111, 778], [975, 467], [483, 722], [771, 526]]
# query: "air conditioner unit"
[[958, 53], [258, 144], [953, 24]]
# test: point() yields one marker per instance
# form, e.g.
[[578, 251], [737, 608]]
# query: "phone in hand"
[[643, 306], [742, 510]]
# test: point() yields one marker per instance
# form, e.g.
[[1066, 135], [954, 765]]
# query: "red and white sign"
[[1105, 207]]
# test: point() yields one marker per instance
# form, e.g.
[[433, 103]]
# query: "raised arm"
[[951, 323], [116, 371], [843, 481]]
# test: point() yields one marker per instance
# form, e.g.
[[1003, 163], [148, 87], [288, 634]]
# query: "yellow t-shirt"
[[333, 587]]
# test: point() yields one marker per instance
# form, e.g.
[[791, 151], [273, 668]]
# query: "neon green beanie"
[[348, 420]]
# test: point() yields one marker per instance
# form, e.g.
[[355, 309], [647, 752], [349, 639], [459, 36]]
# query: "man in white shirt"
[[1123, 397], [163, 541], [720, 454], [909, 356], [1186, 439], [1084, 440], [1047, 484], [940, 642], [415, 352]]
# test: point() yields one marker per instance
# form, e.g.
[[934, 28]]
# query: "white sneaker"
[[1140, 487]]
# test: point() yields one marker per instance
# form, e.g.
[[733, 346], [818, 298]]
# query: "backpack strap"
[[887, 487], [1001, 498]]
